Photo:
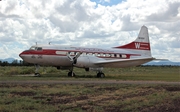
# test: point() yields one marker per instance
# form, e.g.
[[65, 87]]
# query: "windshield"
[[36, 48], [33, 48]]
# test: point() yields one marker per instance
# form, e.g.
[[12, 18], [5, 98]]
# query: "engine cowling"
[[82, 62], [87, 62]]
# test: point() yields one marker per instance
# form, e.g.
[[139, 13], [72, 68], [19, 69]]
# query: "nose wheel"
[[37, 74], [36, 71]]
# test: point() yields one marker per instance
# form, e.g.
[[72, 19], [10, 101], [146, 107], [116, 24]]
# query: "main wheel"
[[71, 74], [100, 75]]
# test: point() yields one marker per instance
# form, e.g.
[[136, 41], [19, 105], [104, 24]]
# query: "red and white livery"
[[66, 57]]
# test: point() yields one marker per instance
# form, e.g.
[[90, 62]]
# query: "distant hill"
[[9, 60], [163, 63]]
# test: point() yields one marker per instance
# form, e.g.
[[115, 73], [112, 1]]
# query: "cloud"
[[169, 13], [90, 23]]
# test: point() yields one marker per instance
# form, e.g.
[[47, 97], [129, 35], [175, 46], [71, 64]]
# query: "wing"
[[120, 63]]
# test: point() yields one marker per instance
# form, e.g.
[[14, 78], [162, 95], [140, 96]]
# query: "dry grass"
[[89, 97], [133, 73]]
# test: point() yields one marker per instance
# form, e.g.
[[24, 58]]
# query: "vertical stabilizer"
[[141, 44]]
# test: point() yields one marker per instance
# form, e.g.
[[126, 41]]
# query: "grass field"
[[133, 73], [90, 97]]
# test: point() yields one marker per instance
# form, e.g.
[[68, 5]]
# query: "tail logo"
[[137, 45]]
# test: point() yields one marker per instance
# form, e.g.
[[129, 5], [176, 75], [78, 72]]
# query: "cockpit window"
[[32, 48], [36, 48], [39, 48]]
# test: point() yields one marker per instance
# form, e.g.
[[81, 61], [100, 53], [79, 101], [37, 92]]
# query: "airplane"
[[134, 53]]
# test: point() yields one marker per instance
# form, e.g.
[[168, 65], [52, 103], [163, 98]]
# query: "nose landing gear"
[[36, 71]]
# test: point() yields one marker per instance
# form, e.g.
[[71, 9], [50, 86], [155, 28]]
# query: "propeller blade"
[[69, 57], [77, 55], [73, 60]]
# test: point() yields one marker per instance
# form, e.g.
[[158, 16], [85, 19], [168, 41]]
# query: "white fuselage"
[[54, 55], [131, 54]]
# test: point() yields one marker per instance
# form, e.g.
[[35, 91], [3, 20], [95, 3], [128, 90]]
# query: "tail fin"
[[140, 44]]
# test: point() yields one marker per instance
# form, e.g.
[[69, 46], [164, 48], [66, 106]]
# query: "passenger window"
[[112, 55], [118, 55], [72, 53], [89, 53], [108, 55], [103, 55], [124, 56]]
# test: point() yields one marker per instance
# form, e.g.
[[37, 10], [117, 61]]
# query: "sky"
[[89, 23]]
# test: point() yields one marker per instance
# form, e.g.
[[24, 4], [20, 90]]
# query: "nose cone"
[[22, 55]]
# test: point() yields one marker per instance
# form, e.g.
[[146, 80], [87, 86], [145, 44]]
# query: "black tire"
[[100, 75], [37, 75], [70, 74]]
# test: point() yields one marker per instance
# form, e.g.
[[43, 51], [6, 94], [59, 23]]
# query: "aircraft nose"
[[20, 55]]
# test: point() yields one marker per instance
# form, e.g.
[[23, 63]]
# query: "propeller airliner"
[[67, 57]]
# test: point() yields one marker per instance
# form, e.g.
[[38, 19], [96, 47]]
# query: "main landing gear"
[[71, 74], [100, 75]]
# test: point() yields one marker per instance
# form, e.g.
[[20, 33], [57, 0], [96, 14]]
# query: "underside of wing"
[[120, 63]]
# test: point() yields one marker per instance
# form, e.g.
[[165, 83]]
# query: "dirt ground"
[[104, 98]]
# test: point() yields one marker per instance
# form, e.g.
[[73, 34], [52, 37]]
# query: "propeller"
[[73, 60]]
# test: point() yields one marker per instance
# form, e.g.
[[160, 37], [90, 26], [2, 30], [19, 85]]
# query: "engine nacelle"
[[87, 62]]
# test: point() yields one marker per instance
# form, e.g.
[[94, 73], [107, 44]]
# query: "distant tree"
[[14, 63], [4, 63], [20, 63], [23, 63]]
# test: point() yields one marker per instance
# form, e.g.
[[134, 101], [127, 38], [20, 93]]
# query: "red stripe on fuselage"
[[54, 52]]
